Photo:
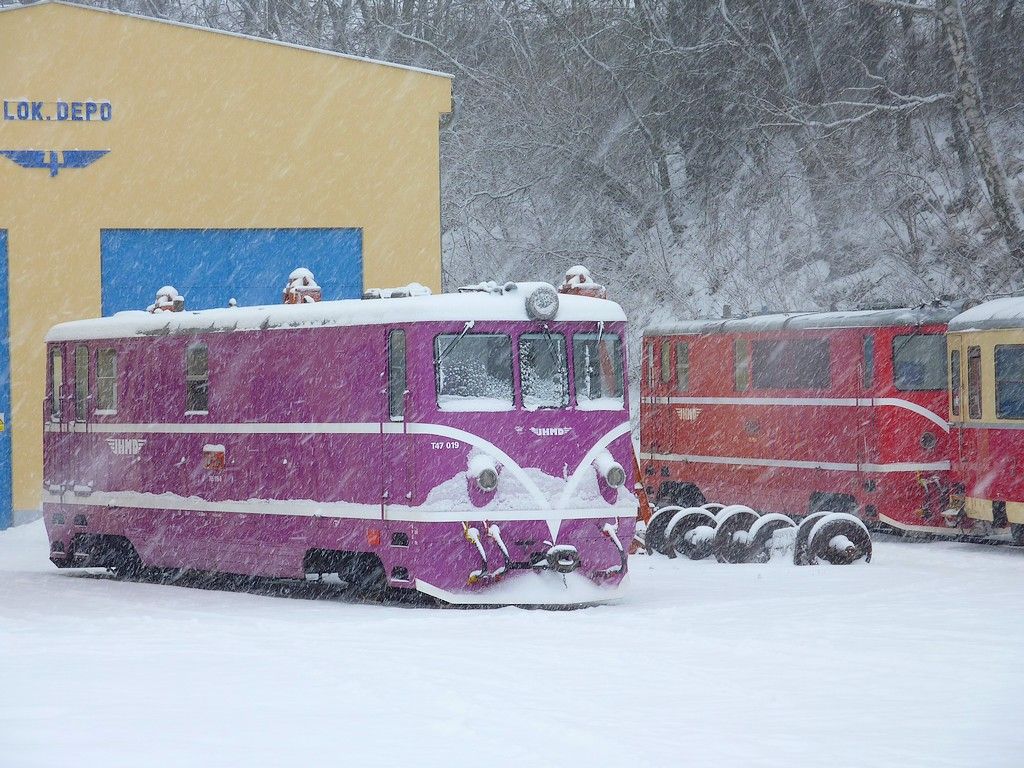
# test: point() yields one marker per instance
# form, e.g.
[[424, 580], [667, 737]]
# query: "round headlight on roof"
[[542, 303]]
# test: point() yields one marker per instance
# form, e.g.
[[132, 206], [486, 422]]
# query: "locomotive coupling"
[[562, 558]]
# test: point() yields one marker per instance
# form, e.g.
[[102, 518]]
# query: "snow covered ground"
[[914, 660]]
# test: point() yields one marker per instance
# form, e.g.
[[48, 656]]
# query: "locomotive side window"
[[650, 363], [682, 366], [543, 371], [473, 371], [106, 381], [1010, 381], [197, 379], [741, 364], [919, 362], [791, 364], [81, 382], [869, 362], [974, 382], [396, 375], [56, 382], [666, 362], [954, 382], [597, 363]]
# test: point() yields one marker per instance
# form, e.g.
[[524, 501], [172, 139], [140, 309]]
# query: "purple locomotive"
[[472, 446]]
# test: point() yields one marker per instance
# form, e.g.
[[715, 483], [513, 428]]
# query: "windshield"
[[597, 360], [919, 362], [542, 370], [475, 372]]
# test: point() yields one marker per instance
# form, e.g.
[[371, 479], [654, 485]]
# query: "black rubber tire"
[[818, 548], [126, 563], [1017, 534], [761, 534], [685, 521], [654, 538], [831, 502], [676, 494], [732, 521], [800, 556], [365, 576]]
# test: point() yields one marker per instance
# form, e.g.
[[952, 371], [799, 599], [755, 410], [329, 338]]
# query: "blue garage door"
[[211, 266], [5, 392]]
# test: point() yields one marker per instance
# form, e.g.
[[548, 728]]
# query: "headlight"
[[542, 303], [929, 441], [610, 470], [487, 480], [484, 471]]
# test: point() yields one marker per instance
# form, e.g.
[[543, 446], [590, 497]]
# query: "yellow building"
[[136, 153]]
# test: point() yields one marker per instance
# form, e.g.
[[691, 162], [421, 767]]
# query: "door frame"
[[6, 452]]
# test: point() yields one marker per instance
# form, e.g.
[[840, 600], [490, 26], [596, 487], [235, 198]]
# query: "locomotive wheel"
[[364, 576], [674, 494], [126, 563], [713, 507], [839, 539], [654, 538], [803, 533], [730, 542], [691, 533], [761, 533], [727, 510]]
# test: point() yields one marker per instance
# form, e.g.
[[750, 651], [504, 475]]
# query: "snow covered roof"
[[268, 41], [875, 318], [1007, 312], [459, 307]]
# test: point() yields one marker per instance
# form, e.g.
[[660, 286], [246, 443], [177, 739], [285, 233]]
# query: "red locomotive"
[[802, 412]]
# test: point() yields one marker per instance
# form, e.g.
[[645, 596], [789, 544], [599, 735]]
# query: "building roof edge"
[[296, 46]]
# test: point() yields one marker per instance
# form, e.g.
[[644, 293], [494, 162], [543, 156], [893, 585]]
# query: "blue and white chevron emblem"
[[54, 159]]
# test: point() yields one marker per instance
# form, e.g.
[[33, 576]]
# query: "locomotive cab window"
[[974, 382], [1010, 381], [197, 379], [56, 383], [543, 371], [81, 382], [741, 364], [869, 362], [954, 382], [666, 362], [682, 366], [397, 375], [597, 365], [106, 381], [473, 371], [791, 364], [919, 362]]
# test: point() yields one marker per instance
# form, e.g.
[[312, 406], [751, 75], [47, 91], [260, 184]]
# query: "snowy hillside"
[[913, 660]]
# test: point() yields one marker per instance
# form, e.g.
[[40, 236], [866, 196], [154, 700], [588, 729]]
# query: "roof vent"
[[578, 282], [301, 288], [167, 300]]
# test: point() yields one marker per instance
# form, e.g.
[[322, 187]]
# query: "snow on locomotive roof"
[[871, 318], [350, 312], [1007, 312]]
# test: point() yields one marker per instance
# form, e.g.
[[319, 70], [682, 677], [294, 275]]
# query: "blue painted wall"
[[5, 391], [210, 266]]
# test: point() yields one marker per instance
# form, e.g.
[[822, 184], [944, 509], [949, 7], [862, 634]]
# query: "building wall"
[[205, 130]]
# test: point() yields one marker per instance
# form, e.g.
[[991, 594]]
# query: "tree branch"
[[898, 5]]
